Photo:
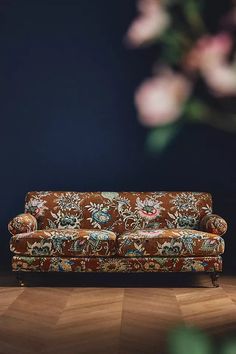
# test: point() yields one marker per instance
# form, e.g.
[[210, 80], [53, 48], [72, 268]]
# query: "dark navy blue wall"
[[67, 117]]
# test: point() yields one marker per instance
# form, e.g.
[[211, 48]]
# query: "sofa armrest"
[[214, 224], [22, 223]]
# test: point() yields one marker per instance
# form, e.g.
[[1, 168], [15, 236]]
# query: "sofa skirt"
[[117, 264]]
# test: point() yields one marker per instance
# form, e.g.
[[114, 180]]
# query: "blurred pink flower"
[[222, 79], [208, 51], [151, 22], [210, 57], [159, 100]]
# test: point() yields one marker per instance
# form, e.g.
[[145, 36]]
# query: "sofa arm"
[[214, 224], [22, 223]]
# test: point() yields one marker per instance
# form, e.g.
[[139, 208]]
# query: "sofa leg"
[[214, 278], [19, 278]]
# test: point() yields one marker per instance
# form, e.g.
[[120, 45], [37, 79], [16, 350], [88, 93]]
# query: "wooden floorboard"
[[148, 314], [120, 320]]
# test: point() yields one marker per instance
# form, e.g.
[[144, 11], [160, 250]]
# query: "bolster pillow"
[[214, 224], [22, 223]]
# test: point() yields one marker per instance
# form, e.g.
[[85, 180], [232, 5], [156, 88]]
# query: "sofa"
[[117, 232]]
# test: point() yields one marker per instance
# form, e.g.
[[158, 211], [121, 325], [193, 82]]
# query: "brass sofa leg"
[[19, 278], [214, 278]]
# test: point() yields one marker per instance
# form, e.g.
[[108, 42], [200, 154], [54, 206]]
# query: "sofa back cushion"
[[118, 211]]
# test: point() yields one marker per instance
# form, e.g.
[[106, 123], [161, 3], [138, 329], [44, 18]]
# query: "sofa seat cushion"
[[64, 242], [169, 243]]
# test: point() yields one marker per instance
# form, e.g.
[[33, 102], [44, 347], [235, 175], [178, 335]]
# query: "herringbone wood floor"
[[127, 318]]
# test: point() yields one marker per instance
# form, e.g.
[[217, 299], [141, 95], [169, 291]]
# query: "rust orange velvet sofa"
[[118, 232]]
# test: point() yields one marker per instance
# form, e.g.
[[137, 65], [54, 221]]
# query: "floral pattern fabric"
[[214, 223], [22, 223], [117, 232], [168, 243], [115, 264], [118, 212], [68, 242]]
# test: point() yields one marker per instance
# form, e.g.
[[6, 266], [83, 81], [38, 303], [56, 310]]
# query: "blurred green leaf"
[[195, 110], [185, 340], [172, 50], [192, 10], [222, 121], [170, 2], [229, 347], [159, 138], [174, 46]]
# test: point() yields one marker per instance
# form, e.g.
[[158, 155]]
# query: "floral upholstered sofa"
[[118, 232]]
